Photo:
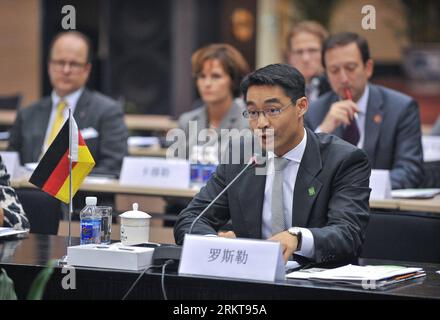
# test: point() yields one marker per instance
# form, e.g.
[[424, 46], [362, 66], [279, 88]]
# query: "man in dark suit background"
[[315, 204], [383, 122], [99, 118]]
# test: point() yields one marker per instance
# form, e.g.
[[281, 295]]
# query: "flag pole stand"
[[63, 260]]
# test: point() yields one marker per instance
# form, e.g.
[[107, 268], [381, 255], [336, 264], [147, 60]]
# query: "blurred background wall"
[[142, 49]]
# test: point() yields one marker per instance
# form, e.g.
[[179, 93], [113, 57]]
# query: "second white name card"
[[155, 172]]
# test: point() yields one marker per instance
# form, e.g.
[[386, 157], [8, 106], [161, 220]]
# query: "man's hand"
[[289, 243], [227, 234], [341, 112]]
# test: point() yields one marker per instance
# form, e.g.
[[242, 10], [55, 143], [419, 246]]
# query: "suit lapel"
[[251, 199], [307, 186], [80, 113], [373, 121], [41, 121]]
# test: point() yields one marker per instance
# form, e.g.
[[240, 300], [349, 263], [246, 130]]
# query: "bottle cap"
[[91, 201]]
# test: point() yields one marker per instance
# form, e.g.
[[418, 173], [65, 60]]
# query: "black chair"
[[403, 236], [43, 211], [11, 102], [432, 175]]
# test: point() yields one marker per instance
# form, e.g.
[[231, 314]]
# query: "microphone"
[[173, 252]]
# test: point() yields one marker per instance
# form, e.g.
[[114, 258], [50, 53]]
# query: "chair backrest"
[[403, 236], [432, 175], [43, 211], [10, 102]]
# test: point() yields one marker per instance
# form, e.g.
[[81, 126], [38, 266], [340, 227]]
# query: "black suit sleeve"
[[214, 218], [348, 211], [407, 169]]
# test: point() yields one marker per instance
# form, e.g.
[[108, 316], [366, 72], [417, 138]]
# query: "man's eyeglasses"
[[61, 64], [269, 111], [309, 51]]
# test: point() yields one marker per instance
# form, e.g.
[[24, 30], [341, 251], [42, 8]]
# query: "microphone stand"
[[251, 162], [173, 252]]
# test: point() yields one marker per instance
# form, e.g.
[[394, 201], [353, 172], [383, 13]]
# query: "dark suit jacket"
[[392, 133], [93, 110], [336, 214]]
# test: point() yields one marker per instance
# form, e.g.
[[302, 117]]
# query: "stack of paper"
[[6, 232], [367, 277], [415, 193]]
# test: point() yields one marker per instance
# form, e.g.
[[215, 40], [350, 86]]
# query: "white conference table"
[[113, 186]]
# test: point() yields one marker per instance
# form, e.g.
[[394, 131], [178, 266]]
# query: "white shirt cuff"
[[318, 130], [307, 245]]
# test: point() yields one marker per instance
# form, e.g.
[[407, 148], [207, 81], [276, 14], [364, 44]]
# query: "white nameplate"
[[155, 172], [380, 185], [431, 148], [11, 160], [232, 258]]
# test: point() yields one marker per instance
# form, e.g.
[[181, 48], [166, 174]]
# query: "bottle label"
[[207, 172], [90, 231]]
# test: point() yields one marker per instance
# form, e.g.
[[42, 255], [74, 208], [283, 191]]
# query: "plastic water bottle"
[[90, 222], [209, 162], [196, 167]]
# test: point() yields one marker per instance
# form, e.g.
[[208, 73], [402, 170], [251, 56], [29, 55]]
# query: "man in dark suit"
[[383, 122], [99, 118], [314, 197]]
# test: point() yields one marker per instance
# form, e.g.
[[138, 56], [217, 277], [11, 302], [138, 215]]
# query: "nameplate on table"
[[232, 258], [431, 148], [380, 184], [11, 160], [155, 172]]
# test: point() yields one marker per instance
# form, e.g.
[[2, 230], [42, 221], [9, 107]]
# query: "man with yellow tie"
[[99, 118]]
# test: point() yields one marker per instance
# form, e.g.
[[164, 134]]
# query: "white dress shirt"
[[71, 100], [360, 117], [289, 179]]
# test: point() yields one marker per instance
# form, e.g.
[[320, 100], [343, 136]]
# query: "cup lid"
[[135, 213]]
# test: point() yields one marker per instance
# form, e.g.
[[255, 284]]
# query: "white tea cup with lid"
[[135, 226]]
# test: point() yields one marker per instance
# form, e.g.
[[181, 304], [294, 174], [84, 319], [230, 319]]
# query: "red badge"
[[377, 119]]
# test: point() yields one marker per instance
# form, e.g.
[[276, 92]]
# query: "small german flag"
[[52, 173]]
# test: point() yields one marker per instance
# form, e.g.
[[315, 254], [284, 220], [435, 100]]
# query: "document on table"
[[368, 277], [415, 193], [5, 232]]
